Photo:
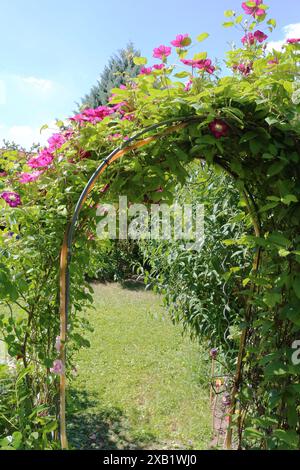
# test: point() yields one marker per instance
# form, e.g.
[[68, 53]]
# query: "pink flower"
[[146, 71], [200, 64], [188, 85], [260, 36], [30, 177], [58, 367], [44, 158], [128, 117], [218, 128], [244, 69], [56, 141], [182, 40], [114, 136], [58, 344], [248, 39], [274, 61], [254, 10], [159, 66], [293, 40], [12, 199], [3, 174], [162, 52], [123, 87], [92, 115]]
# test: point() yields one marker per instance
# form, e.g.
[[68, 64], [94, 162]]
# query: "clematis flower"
[[254, 10], [260, 36], [218, 128], [293, 40], [58, 367], [182, 40], [159, 66], [188, 85], [162, 52], [30, 177], [248, 39], [56, 141], [92, 115], [146, 71], [44, 159], [11, 198], [200, 64], [244, 69]]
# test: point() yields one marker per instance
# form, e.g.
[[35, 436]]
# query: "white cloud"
[[25, 135], [289, 31], [39, 84]]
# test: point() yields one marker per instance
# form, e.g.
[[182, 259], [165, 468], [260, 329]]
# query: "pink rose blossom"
[[162, 52], [218, 128], [159, 66], [182, 40], [11, 198], [293, 40], [260, 36], [146, 71], [44, 158], [30, 177], [58, 367], [255, 10]]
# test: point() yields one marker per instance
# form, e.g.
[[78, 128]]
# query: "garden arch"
[[133, 143]]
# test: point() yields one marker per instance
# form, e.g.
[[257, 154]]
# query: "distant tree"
[[120, 67]]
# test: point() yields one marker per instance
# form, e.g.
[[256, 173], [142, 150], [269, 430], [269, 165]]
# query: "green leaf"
[[228, 24], [272, 22], [288, 199], [296, 286], [200, 56], [202, 36], [140, 60], [229, 13]]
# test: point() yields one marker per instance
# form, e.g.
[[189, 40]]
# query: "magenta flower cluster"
[[254, 10], [11, 198]]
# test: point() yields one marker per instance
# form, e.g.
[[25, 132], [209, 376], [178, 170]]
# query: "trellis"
[[133, 143]]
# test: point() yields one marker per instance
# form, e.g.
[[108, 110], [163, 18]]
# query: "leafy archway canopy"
[[246, 123]]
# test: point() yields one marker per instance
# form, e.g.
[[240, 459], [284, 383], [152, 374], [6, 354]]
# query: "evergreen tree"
[[119, 67]]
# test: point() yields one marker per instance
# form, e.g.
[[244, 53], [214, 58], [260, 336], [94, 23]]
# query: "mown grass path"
[[141, 384]]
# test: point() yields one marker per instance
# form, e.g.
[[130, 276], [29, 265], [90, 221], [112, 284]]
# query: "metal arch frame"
[[66, 249]]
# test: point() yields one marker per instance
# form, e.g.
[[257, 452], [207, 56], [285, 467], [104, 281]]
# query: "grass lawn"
[[141, 384]]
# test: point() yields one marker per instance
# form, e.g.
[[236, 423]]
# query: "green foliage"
[[257, 109]]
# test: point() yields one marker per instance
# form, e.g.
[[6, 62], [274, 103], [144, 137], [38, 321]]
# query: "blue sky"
[[52, 51]]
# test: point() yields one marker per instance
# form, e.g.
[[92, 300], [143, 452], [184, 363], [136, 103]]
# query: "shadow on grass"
[[132, 284], [90, 427]]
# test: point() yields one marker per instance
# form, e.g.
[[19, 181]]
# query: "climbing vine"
[[247, 124]]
